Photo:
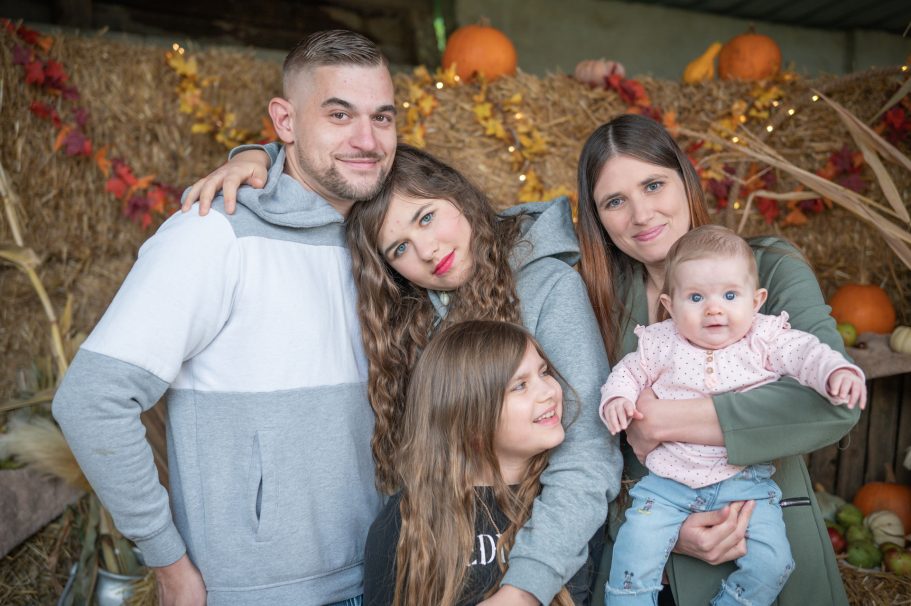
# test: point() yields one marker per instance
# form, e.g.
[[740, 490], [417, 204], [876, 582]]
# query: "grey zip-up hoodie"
[[584, 472], [249, 323]]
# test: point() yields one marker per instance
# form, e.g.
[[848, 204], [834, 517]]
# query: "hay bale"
[[87, 246]]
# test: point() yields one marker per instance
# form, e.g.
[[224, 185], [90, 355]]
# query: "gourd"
[[749, 56], [480, 49], [888, 495], [900, 340], [866, 306], [702, 67], [595, 71], [886, 528]]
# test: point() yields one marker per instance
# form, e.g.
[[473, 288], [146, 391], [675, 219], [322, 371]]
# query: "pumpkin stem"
[[484, 22], [890, 473]]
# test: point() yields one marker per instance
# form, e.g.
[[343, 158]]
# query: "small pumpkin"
[[595, 72], [900, 341], [702, 67], [889, 496], [866, 306], [829, 504], [480, 49], [749, 56]]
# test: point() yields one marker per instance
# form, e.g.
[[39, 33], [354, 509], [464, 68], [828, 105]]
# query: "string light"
[[792, 111], [770, 128], [456, 78], [743, 118], [522, 178], [735, 139], [406, 105], [519, 115], [511, 148], [736, 205], [904, 68], [439, 85], [775, 103], [815, 98]]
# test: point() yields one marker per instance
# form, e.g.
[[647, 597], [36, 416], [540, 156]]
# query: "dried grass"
[[873, 588]]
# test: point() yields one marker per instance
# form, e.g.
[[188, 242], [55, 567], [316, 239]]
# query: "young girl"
[[483, 409], [715, 341]]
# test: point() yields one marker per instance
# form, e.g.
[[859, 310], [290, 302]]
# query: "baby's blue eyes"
[[399, 250], [426, 218], [653, 186], [696, 297], [730, 295]]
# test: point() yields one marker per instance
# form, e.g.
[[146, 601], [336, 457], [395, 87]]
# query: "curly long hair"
[[397, 318], [602, 264], [453, 407]]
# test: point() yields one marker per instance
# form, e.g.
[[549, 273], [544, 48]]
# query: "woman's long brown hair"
[[397, 317], [604, 266], [453, 407]]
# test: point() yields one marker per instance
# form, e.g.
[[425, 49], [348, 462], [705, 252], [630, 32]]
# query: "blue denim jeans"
[[355, 601], [659, 506]]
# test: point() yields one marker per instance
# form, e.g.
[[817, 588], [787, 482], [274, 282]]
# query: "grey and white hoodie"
[[249, 323]]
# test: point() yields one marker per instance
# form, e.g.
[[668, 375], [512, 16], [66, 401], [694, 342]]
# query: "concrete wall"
[[555, 35]]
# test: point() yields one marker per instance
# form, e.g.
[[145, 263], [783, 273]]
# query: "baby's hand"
[[617, 414], [845, 387]]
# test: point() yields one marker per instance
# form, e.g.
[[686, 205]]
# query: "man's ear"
[[759, 298], [282, 113], [665, 300]]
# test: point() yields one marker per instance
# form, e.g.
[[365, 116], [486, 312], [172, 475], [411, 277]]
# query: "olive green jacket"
[[778, 422]]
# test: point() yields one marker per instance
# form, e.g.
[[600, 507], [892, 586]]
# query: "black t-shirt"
[[483, 572]]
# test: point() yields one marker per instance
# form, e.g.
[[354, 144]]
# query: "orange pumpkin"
[[749, 56], [480, 49], [890, 496], [865, 306]]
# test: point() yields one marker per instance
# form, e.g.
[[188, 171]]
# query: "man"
[[249, 323]]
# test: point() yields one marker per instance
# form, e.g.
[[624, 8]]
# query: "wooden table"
[[882, 435]]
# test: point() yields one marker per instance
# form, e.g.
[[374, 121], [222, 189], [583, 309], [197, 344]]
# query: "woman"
[[638, 193], [429, 251]]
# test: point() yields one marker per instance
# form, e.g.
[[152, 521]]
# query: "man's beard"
[[334, 183]]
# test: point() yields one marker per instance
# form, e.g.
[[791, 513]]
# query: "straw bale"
[[873, 587], [87, 246]]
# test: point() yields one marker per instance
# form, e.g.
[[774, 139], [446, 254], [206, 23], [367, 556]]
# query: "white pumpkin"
[[900, 340], [886, 527]]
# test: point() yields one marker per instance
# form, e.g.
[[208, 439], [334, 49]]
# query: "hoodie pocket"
[[262, 488]]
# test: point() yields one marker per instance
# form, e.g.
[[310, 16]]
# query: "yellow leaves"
[[482, 111], [414, 135], [201, 128], [186, 68], [533, 189], [427, 104], [449, 77]]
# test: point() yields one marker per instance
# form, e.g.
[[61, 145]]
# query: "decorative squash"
[[702, 67], [865, 306], [480, 49], [595, 71], [749, 56], [888, 495], [886, 528], [900, 341]]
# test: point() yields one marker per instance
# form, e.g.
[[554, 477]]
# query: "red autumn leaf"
[[54, 71], [854, 182], [34, 72], [21, 55], [828, 171], [29, 35], [76, 143], [70, 93], [768, 208], [124, 172], [81, 116], [42, 110], [116, 186], [895, 117]]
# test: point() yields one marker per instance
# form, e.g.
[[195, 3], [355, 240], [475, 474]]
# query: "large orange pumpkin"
[[749, 56], [480, 49], [865, 306], [890, 496]]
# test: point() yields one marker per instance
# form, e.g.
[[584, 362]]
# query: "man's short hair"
[[331, 47]]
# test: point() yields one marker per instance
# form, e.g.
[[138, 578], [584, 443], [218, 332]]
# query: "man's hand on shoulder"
[[180, 584]]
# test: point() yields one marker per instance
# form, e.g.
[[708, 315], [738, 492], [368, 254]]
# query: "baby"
[[714, 342]]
